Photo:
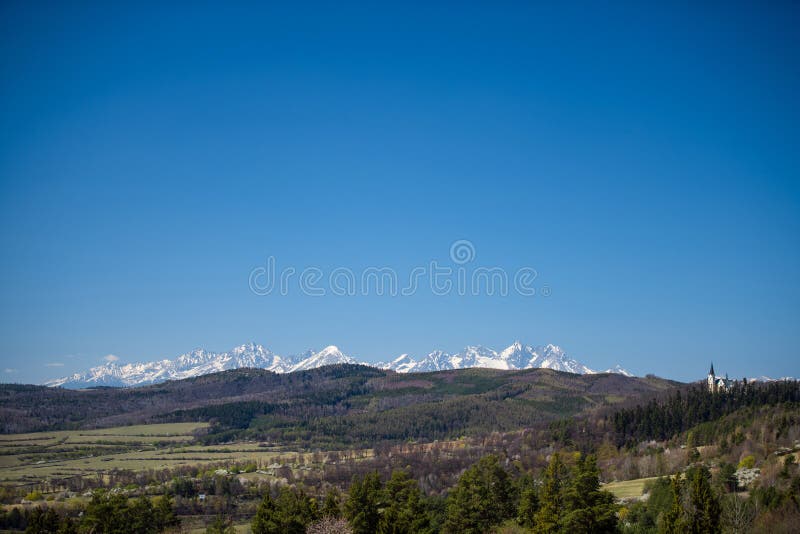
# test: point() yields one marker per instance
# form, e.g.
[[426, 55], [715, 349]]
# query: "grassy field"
[[25, 457], [628, 489], [28, 458], [145, 434]]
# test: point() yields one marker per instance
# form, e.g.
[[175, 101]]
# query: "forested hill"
[[335, 404]]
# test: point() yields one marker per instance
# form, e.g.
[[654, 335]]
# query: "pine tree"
[[673, 521], [483, 498], [405, 511], [107, 513], [551, 498], [588, 509], [331, 507], [163, 513], [364, 503], [528, 502], [706, 509], [266, 519], [43, 521], [294, 510], [143, 516]]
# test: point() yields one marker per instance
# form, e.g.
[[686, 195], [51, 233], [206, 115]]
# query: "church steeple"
[[712, 379]]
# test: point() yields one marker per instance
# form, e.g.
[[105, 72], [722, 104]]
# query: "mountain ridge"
[[198, 362]]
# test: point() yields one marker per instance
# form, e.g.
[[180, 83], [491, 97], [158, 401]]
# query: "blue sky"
[[644, 161]]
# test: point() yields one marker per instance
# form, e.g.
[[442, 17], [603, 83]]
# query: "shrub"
[[748, 462]]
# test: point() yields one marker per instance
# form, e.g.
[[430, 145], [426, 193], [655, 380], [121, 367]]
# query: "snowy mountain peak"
[[517, 346], [200, 361], [618, 369], [402, 364], [249, 348], [516, 356], [402, 358], [330, 355]]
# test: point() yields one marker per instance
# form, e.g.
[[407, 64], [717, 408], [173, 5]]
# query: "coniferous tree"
[[107, 513], [266, 519], [143, 516], [405, 511], [588, 509], [295, 510], [364, 503], [164, 515], [528, 502], [44, 521], [673, 521], [290, 513], [483, 498], [706, 510], [551, 498], [332, 507]]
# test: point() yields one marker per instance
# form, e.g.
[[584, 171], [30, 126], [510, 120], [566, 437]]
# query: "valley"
[[215, 446]]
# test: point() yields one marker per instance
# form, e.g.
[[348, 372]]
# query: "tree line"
[[105, 513], [680, 411], [487, 495]]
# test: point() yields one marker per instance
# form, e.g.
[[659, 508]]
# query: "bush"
[[748, 462]]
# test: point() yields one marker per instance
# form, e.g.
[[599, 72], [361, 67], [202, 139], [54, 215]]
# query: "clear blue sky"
[[644, 161]]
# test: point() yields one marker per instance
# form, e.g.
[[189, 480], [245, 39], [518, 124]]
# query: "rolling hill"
[[336, 404]]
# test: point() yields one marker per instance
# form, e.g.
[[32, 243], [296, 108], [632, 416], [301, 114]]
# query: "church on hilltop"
[[717, 383]]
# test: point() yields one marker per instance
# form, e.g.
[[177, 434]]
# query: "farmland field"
[[35, 456], [628, 489], [39, 455]]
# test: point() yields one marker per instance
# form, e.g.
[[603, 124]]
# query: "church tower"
[[712, 380]]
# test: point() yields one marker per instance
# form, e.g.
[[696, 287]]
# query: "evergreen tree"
[[331, 507], [483, 498], [290, 513], [295, 510], [588, 509], [107, 513], [405, 511], [673, 521], [727, 477], [551, 498], [364, 503], [266, 519], [706, 510], [163, 514], [528, 502], [143, 517], [44, 521]]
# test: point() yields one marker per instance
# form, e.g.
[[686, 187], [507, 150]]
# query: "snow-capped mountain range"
[[516, 356], [200, 362]]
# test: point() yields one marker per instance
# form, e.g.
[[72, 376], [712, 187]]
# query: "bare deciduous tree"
[[738, 514]]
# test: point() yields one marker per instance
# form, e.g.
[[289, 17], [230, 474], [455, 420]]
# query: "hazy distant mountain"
[[200, 362]]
